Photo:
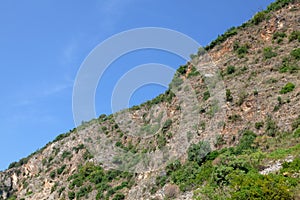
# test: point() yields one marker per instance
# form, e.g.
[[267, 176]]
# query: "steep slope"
[[245, 123]]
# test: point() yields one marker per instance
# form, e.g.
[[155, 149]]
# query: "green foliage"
[[234, 118], [161, 141], [296, 53], [21, 162], [206, 95], [230, 69], [12, 198], [71, 195], [278, 5], [268, 53], [79, 147], [52, 174], [256, 186], [296, 123], [246, 142], [171, 167], [271, 127], [278, 36], [193, 72], [90, 177], [61, 136], [297, 133], [83, 192], [288, 66], [259, 17], [242, 96], [291, 167], [87, 155], [228, 95], [259, 125], [241, 50], [201, 51], [119, 196], [197, 152], [295, 35], [182, 69], [66, 154], [61, 169], [230, 32], [185, 176], [287, 88], [166, 125]]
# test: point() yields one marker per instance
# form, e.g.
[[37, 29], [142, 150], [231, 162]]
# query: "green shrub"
[[259, 125], [259, 17], [166, 125], [271, 127], [296, 53], [230, 69], [61, 169], [287, 88], [206, 95], [295, 35], [83, 191], [277, 35], [228, 95], [171, 167], [119, 196], [66, 154], [71, 195], [193, 72], [220, 175], [197, 152], [256, 186], [246, 142], [296, 133], [52, 174], [278, 5], [221, 38], [268, 53], [182, 69], [234, 118]]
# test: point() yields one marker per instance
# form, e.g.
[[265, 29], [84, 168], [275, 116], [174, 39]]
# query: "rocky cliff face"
[[257, 88]]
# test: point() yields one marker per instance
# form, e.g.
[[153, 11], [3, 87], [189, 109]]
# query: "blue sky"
[[43, 43]]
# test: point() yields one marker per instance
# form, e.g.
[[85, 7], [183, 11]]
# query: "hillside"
[[227, 128]]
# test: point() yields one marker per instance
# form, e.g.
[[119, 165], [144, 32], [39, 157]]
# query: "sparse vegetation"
[[295, 35], [269, 53]]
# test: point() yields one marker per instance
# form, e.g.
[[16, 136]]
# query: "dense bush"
[[259, 17], [246, 142], [256, 186], [287, 88], [90, 177], [197, 152]]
